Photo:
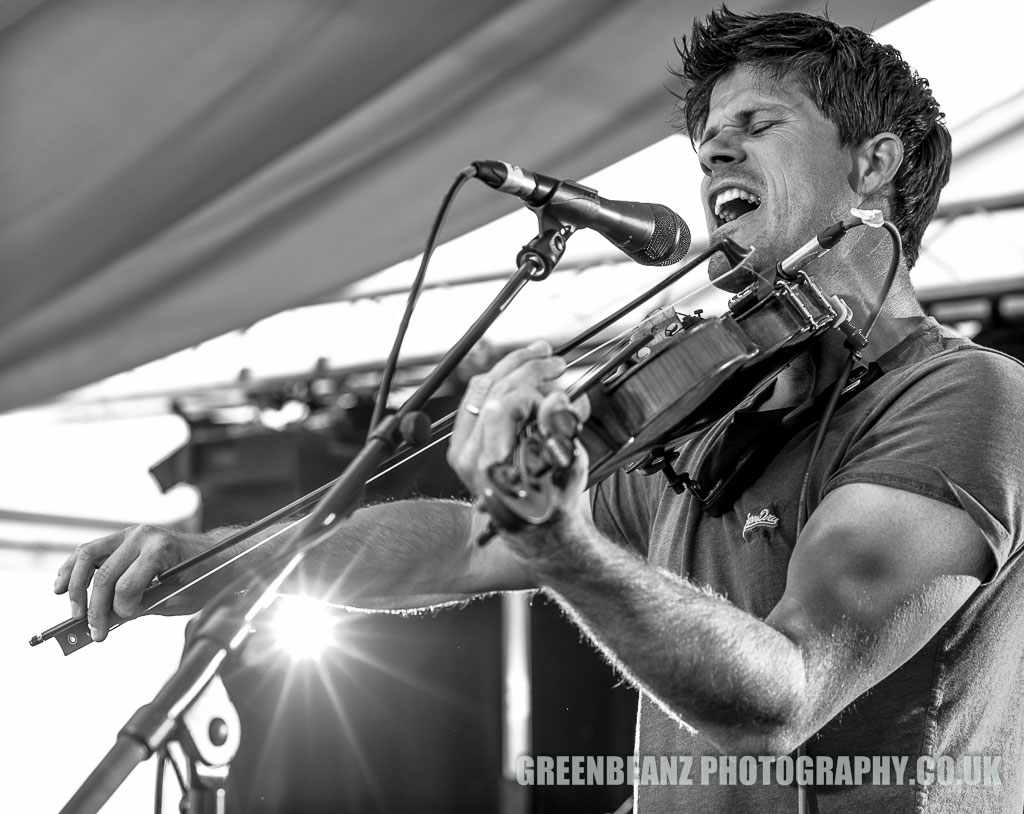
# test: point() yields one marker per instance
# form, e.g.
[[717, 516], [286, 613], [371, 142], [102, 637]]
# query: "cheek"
[[843, 169], [826, 184], [794, 183]]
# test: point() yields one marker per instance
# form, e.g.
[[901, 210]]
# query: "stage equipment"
[[192, 708]]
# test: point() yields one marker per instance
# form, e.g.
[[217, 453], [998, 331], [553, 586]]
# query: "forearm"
[[733, 677], [396, 555], [404, 554]]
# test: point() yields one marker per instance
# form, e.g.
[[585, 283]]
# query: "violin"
[[673, 376]]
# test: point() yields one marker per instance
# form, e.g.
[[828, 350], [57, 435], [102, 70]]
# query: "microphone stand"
[[193, 708], [73, 634]]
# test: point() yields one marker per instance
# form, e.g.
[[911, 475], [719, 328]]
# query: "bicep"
[[875, 574]]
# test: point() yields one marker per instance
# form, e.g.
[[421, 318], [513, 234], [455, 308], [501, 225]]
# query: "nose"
[[725, 147]]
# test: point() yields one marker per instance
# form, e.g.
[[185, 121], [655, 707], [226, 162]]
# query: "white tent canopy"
[[172, 170], [353, 325]]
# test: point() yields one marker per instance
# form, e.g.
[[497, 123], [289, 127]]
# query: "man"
[[878, 628]]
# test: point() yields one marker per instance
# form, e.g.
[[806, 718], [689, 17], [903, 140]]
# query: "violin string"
[[680, 300], [743, 262], [284, 528]]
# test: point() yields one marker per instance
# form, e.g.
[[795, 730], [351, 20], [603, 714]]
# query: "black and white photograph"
[[512, 406]]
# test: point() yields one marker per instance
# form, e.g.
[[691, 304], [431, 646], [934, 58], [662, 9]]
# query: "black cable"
[[819, 437], [890, 276], [806, 798], [847, 370], [388, 375]]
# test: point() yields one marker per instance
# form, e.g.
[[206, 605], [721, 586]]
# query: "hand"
[[124, 564], [493, 411]]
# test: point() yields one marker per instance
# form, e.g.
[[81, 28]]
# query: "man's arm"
[[412, 554], [406, 554], [393, 555], [875, 573]]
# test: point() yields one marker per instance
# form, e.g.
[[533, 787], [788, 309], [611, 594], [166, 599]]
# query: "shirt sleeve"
[[952, 430]]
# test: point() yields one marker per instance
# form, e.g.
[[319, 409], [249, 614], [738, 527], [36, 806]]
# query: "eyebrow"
[[744, 117]]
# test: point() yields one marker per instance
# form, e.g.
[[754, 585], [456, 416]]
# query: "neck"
[[820, 365]]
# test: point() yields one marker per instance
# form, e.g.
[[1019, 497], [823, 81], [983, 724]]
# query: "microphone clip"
[[542, 253]]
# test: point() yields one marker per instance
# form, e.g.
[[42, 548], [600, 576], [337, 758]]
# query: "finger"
[[101, 602], [535, 350], [560, 420], [536, 373], [559, 425], [60, 584], [469, 409], [500, 421], [490, 437], [83, 564], [581, 406], [132, 584], [556, 415], [480, 387], [476, 392]]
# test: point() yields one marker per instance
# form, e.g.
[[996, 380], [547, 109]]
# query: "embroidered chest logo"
[[760, 526]]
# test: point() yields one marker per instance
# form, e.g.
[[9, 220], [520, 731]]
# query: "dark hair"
[[861, 86]]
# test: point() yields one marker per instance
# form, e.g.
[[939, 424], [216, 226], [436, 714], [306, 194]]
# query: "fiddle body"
[[675, 375]]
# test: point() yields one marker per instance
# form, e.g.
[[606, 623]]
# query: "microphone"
[[649, 234]]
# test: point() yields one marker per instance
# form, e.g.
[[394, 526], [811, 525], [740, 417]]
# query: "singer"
[[864, 607]]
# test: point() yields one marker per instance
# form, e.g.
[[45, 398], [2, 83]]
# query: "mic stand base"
[[208, 734]]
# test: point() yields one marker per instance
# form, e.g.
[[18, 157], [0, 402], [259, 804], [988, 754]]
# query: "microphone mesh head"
[[669, 243]]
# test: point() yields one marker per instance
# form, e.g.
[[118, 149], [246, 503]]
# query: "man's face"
[[775, 174]]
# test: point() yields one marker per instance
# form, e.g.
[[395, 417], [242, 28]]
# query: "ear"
[[875, 162]]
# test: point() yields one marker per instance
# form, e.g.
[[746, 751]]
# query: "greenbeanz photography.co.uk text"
[[749, 770]]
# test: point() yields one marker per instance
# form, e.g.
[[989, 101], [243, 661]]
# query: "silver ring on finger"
[[479, 386]]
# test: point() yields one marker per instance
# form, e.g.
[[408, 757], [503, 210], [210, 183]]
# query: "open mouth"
[[732, 203]]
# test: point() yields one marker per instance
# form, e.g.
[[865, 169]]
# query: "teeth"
[[730, 194]]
